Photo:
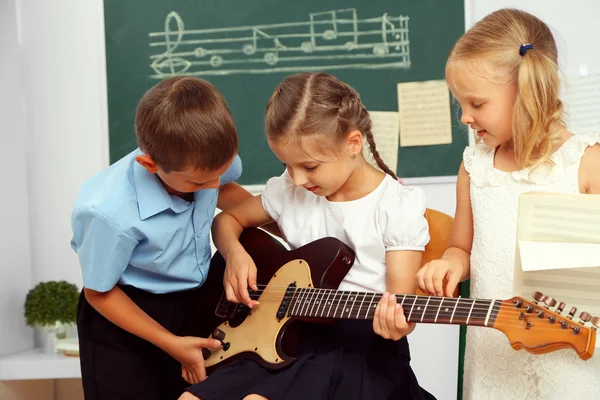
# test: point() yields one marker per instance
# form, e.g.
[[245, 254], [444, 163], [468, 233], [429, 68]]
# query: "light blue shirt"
[[127, 229]]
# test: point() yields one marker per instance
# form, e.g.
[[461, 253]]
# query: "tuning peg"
[[596, 322], [549, 301], [538, 296], [585, 317], [572, 312], [560, 307]]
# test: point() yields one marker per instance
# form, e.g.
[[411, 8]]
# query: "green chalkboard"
[[245, 48]]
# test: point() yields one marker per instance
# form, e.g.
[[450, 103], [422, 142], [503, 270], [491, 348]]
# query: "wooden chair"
[[440, 229]]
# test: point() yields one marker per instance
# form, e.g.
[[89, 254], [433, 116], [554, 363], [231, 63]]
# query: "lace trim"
[[479, 163]]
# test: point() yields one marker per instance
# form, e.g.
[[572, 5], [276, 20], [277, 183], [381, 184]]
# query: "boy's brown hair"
[[184, 122]]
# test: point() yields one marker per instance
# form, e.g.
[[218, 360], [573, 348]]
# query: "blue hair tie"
[[524, 48]]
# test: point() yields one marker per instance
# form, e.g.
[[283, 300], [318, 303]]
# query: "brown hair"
[[184, 122], [495, 43], [311, 103]]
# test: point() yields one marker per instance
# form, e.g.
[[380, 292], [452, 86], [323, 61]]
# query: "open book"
[[558, 249]]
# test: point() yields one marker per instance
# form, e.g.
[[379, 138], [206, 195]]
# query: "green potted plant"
[[50, 307]]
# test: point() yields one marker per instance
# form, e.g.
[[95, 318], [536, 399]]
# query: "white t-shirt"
[[391, 217]]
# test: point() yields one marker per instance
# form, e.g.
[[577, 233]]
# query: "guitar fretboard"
[[328, 303]]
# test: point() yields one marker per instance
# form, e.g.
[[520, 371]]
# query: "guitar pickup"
[[285, 302]]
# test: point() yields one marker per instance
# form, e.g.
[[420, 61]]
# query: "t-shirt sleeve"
[[276, 194], [402, 220], [234, 171], [103, 249]]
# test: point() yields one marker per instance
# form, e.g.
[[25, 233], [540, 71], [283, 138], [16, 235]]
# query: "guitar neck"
[[338, 304]]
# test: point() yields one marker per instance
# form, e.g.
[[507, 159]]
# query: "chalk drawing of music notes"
[[326, 40]]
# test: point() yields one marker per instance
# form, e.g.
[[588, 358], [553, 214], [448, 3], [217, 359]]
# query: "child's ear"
[[354, 142], [147, 162]]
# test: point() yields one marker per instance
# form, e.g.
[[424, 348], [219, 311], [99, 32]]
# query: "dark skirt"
[[344, 361]]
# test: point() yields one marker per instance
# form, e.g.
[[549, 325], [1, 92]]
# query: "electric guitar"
[[301, 285]]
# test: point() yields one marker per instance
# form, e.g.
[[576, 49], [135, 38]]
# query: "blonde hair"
[[309, 103], [495, 42]]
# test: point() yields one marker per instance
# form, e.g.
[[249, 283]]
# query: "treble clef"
[[167, 60]]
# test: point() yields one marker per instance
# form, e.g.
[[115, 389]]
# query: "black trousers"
[[118, 365]]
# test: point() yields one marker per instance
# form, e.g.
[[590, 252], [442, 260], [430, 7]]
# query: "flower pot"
[[46, 336]]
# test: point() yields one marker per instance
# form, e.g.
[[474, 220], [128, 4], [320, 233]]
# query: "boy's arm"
[[231, 194], [119, 309], [93, 234]]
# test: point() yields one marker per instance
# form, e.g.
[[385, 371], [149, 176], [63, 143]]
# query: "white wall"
[[574, 23], [15, 260], [64, 74]]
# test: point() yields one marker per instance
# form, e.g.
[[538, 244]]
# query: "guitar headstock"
[[539, 327]]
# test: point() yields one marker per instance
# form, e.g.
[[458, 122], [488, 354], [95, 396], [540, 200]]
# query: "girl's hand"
[[240, 273], [389, 321], [431, 277], [188, 396]]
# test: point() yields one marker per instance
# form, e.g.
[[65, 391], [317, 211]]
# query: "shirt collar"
[[152, 196]]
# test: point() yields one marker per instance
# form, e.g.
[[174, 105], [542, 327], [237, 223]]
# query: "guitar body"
[[258, 333]]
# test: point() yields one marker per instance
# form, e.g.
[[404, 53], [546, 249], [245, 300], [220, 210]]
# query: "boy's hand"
[[430, 278], [389, 321], [188, 351], [239, 274]]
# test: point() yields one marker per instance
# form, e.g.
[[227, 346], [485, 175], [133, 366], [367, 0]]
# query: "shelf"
[[33, 364]]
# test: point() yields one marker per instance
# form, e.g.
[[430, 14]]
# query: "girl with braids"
[[504, 74], [317, 125]]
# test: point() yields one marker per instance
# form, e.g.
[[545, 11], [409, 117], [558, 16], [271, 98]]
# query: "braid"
[[375, 153]]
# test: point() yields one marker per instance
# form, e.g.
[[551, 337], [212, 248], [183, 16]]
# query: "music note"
[[335, 39]]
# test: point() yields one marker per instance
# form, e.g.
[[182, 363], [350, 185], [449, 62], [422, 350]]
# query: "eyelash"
[[477, 105], [306, 168]]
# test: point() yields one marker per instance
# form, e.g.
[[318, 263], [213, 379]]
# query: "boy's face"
[[189, 180]]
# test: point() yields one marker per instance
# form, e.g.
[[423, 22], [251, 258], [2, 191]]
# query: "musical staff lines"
[[328, 40]]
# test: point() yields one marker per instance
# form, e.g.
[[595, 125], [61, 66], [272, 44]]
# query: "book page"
[[385, 132], [424, 113], [558, 250], [582, 104]]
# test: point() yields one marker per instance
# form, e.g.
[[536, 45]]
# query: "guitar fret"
[[315, 301], [438, 311], [297, 300], [489, 312], [307, 298], [324, 302], [425, 310], [360, 306], [407, 304], [403, 298], [453, 311], [345, 309], [368, 311], [337, 301], [332, 302], [470, 311]]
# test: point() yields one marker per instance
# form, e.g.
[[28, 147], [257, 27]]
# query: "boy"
[[141, 232]]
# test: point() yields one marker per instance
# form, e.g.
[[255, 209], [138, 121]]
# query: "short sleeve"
[[234, 171], [275, 195], [402, 220], [103, 249]]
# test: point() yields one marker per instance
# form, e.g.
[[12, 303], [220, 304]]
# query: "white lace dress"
[[493, 370]]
